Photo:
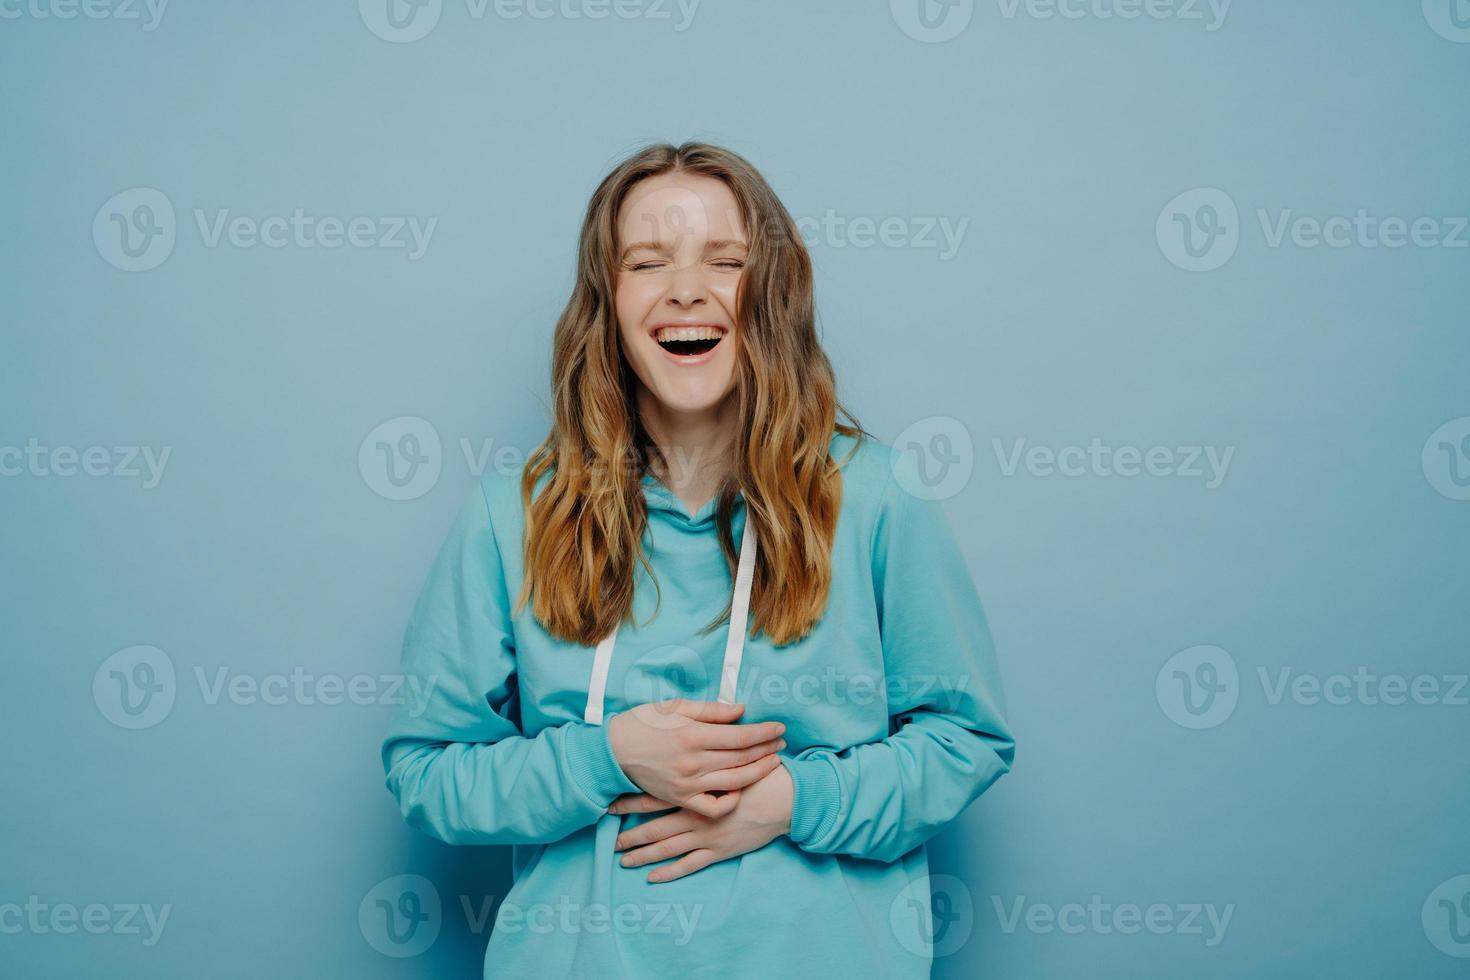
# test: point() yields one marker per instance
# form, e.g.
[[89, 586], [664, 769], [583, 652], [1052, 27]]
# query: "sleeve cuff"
[[590, 758], [816, 799]]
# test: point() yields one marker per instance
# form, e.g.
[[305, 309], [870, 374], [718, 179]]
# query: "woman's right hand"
[[686, 751]]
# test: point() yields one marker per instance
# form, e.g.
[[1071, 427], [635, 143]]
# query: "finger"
[[715, 712], [716, 759], [737, 736], [657, 830], [710, 805], [661, 850], [740, 776], [639, 803], [686, 865]]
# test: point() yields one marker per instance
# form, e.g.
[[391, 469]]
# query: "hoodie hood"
[[662, 503]]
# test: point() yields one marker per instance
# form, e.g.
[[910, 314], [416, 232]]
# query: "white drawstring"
[[734, 638]]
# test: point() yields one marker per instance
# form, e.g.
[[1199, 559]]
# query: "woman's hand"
[[687, 752], [762, 813]]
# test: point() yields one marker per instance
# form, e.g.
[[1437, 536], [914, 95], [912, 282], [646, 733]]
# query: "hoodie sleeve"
[[949, 739], [455, 757]]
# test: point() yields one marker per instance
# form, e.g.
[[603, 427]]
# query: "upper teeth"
[[687, 333]]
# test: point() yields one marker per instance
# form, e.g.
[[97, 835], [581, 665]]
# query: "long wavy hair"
[[584, 530]]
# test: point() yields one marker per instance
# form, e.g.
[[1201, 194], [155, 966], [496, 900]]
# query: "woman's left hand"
[[762, 814]]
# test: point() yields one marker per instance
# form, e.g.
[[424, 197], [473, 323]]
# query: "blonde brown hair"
[[584, 529]]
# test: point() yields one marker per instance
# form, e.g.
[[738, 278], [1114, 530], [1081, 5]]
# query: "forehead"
[[674, 205]]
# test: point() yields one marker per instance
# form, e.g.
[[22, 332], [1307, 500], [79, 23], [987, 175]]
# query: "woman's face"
[[681, 253]]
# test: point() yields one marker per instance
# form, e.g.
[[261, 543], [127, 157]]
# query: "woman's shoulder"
[[500, 487], [867, 466]]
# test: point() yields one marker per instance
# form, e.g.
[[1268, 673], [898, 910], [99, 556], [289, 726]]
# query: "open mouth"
[[689, 341]]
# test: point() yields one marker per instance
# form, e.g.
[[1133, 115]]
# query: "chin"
[[692, 398]]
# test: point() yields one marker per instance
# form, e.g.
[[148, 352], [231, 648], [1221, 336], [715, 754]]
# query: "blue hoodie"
[[894, 714]]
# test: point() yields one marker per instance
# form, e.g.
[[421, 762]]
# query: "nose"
[[687, 286]]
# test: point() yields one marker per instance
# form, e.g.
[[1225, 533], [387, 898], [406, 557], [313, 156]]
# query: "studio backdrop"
[[1169, 298]]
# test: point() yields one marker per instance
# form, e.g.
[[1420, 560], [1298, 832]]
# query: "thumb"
[[715, 712]]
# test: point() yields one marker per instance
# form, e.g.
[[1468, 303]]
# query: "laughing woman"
[[685, 799]]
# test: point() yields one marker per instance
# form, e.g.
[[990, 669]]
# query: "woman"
[[686, 800]]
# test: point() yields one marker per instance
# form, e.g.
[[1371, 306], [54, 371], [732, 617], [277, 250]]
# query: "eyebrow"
[[713, 246]]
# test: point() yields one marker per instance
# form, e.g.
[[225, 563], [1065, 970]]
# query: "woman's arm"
[[881, 799], [454, 755]]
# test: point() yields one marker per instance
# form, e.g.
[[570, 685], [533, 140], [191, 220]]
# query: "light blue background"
[[265, 548]]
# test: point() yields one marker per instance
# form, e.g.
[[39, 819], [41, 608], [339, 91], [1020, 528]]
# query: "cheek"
[[632, 300]]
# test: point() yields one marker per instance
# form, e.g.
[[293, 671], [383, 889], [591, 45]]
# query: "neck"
[[692, 449]]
